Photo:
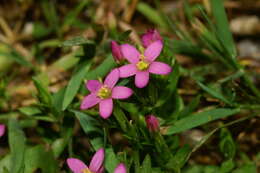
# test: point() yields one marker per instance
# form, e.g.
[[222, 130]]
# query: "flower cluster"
[[140, 65]]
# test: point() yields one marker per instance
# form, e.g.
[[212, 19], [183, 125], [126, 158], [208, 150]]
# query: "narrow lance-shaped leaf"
[[214, 93], [200, 118], [74, 84]]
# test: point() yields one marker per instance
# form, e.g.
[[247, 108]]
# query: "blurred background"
[[32, 33]]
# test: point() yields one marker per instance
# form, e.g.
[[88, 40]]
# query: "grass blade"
[[222, 24]]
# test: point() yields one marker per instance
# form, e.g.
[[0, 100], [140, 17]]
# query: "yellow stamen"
[[104, 92], [142, 65], [86, 171]]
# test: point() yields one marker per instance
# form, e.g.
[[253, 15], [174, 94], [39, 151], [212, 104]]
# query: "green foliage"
[[75, 83], [199, 119], [17, 147]]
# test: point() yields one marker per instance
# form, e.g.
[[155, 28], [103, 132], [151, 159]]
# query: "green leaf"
[[214, 93], [102, 69], [97, 143], [121, 118], [200, 118], [58, 98], [190, 107], [124, 35], [171, 87], [49, 11], [74, 84], [67, 61], [179, 158], [77, 41], [30, 110], [16, 139], [227, 166], [129, 107], [5, 163], [71, 17], [39, 30], [222, 24], [17, 57], [249, 167], [147, 166], [227, 144], [59, 144], [186, 48], [38, 158], [88, 123], [151, 14], [111, 161], [43, 93]]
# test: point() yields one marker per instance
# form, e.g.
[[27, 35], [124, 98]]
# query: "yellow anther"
[[142, 65], [104, 92], [86, 171]]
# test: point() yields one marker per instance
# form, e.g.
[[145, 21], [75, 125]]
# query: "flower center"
[[103, 93], [142, 65], [86, 170]]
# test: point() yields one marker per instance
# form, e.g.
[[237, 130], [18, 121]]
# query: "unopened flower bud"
[[152, 123], [150, 36], [2, 129], [116, 51]]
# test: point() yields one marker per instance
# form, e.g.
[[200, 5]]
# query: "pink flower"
[[116, 51], [152, 123], [150, 36], [2, 130], [95, 166], [143, 64], [103, 94], [120, 168]]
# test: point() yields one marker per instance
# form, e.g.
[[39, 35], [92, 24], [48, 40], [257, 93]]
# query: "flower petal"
[[141, 79], [150, 36], [159, 68], [97, 160], [127, 70], [130, 53], [153, 50], [121, 92], [89, 101], [76, 165], [106, 108], [112, 78], [2, 129], [101, 170], [93, 85], [120, 168]]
